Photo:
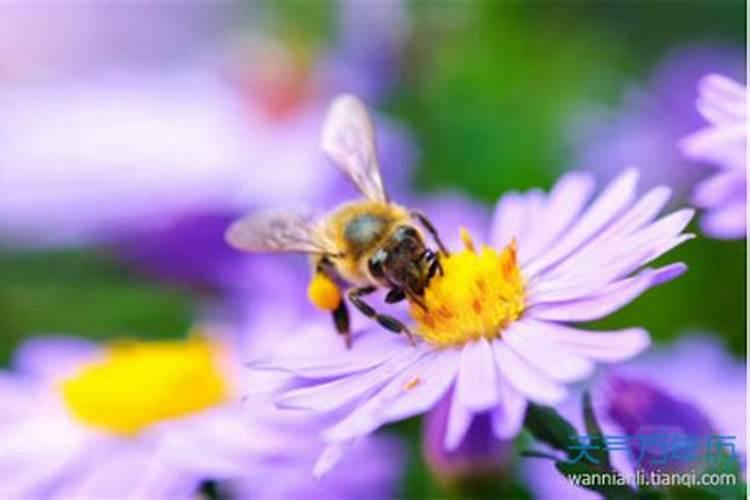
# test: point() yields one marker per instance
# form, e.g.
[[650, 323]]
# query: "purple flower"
[[156, 420], [92, 160], [722, 102], [51, 41], [494, 330], [86, 161], [644, 129], [154, 165], [480, 453], [366, 59], [662, 393]]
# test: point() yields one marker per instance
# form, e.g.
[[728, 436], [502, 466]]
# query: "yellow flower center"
[[478, 294], [139, 384]]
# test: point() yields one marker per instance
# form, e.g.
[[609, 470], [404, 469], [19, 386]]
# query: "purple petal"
[[723, 146], [216, 443], [643, 212], [130, 471], [477, 384], [370, 415], [610, 250], [434, 380], [39, 450], [550, 358], [605, 346], [459, 421], [722, 99], [524, 378], [52, 357], [631, 220], [318, 367], [508, 220], [620, 262], [564, 203], [613, 297], [371, 349], [330, 456], [720, 188], [479, 452], [534, 202], [667, 273], [611, 202], [728, 222], [507, 419], [16, 395], [342, 391]]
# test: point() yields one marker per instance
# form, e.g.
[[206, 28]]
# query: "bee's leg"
[[417, 299], [388, 322], [395, 295], [422, 218], [341, 320], [435, 266], [340, 314]]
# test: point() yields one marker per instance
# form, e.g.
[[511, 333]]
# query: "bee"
[[363, 245]]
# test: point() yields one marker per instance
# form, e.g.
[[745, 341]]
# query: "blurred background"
[[130, 134]]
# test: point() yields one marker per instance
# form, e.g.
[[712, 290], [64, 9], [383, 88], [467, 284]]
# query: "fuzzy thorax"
[[479, 294]]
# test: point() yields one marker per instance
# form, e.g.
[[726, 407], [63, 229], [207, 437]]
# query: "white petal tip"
[[689, 213], [631, 343], [631, 173], [328, 459], [640, 342]]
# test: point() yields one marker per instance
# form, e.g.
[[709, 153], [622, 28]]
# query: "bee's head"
[[400, 261]]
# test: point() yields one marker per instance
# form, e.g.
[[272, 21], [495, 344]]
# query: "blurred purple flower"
[[663, 393], [48, 40], [480, 453], [640, 408], [723, 144], [645, 128], [54, 446], [191, 251], [372, 36], [153, 163], [90, 160], [575, 261]]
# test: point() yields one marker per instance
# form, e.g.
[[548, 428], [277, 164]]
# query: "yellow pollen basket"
[[139, 384], [478, 294], [323, 292]]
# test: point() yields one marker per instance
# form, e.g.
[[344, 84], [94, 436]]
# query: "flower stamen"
[[138, 384], [480, 292]]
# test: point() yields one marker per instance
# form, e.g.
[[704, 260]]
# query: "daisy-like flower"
[[663, 394], [494, 331], [652, 116], [723, 103], [159, 419]]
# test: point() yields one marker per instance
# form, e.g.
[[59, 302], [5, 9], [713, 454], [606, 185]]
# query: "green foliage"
[[82, 293], [549, 427], [489, 101]]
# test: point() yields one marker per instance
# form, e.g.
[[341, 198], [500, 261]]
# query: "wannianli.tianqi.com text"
[[652, 479]]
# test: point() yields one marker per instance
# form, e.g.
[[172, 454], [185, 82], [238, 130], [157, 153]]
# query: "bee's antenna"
[[422, 218]]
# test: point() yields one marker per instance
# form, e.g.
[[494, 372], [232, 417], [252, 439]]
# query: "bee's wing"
[[277, 232], [349, 139]]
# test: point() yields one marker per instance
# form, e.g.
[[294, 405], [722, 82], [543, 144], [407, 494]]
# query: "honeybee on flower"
[[501, 328], [369, 244]]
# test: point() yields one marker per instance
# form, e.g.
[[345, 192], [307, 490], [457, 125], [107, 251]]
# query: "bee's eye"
[[408, 232], [375, 264]]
